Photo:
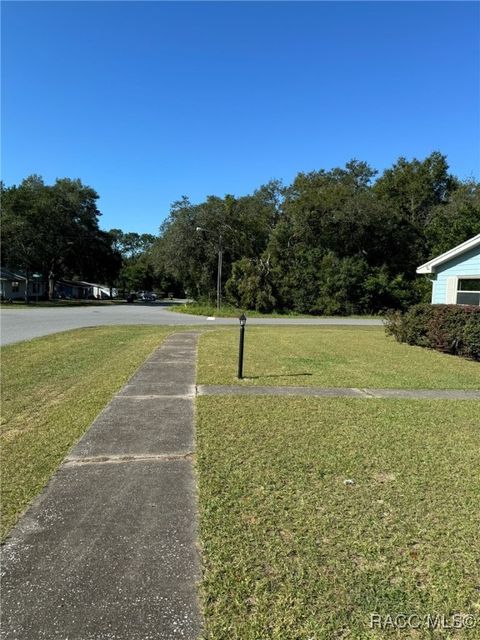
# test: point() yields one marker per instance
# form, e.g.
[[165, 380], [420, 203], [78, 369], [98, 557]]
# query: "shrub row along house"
[[451, 323], [455, 274]]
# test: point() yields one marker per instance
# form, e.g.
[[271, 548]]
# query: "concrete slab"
[[185, 344], [134, 426], [156, 364], [339, 392], [428, 394], [108, 552], [139, 388], [209, 390], [159, 372], [167, 361], [184, 336], [187, 337], [177, 353]]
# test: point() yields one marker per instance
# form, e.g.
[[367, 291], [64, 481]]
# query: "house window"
[[15, 286], [468, 291]]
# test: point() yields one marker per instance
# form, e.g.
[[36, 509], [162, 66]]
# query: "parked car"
[[146, 296]]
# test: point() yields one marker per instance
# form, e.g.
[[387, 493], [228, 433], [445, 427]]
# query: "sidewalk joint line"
[[160, 361], [368, 393], [118, 459], [190, 396]]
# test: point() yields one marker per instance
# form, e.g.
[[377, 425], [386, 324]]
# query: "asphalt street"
[[25, 324]]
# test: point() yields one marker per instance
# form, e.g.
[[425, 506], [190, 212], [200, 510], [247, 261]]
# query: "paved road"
[[25, 324]]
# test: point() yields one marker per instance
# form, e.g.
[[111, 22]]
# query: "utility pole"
[[219, 272], [219, 266]]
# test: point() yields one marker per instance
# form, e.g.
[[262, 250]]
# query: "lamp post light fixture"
[[243, 322]]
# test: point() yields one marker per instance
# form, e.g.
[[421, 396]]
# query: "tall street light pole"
[[219, 266], [219, 272]]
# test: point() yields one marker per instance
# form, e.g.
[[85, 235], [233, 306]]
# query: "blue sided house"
[[456, 274]]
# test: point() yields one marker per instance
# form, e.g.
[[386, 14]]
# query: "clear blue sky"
[[147, 101]]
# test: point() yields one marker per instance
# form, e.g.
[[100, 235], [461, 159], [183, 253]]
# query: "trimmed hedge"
[[451, 328]]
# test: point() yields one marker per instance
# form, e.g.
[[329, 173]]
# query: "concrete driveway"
[[25, 324]]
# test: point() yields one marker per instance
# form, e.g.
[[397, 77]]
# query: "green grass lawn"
[[292, 551], [52, 389], [228, 311], [327, 356]]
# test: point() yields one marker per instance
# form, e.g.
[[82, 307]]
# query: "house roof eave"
[[431, 265]]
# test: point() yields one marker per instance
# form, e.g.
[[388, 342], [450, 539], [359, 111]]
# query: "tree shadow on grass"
[[279, 375]]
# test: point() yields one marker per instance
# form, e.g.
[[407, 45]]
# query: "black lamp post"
[[243, 322]]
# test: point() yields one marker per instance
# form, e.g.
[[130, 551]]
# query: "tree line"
[[54, 230], [342, 241]]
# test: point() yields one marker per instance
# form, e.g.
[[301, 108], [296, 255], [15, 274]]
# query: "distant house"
[[456, 274], [100, 291], [70, 289], [81, 290], [13, 285]]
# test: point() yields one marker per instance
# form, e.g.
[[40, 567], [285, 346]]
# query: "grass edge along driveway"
[[52, 390]]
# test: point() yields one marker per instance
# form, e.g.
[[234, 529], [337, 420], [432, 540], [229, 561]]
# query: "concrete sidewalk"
[[338, 392], [108, 550]]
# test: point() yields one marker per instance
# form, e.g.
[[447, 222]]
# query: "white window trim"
[[457, 291], [451, 290]]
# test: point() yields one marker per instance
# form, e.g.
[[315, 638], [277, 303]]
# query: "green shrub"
[[448, 328], [250, 285], [445, 328], [412, 326], [394, 325], [471, 336]]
